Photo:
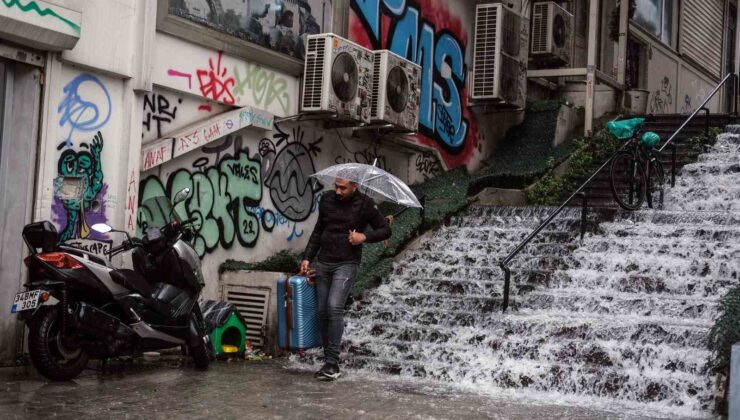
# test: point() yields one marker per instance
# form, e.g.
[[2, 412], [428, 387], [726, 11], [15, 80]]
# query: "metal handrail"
[[504, 263]]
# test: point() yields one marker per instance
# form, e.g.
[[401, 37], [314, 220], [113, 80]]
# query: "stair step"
[[647, 386]]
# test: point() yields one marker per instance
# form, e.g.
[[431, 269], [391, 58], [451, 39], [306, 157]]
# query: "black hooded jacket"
[[336, 218]]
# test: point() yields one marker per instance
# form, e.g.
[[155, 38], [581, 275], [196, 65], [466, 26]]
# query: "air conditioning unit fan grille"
[[374, 112], [484, 70], [539, 31], [252, 303], [313, 82]]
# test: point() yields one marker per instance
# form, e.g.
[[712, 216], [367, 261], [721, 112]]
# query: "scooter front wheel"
[[53, 356], [200, 355], [199, 351]]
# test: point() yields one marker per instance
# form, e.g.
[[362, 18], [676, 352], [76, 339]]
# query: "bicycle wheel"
[[656, 181], [628, 181]]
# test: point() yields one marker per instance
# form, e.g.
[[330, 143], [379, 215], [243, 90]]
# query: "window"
[[281, 25], [658, 17]]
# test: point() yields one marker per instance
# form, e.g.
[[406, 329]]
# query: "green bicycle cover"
[[625, 129], [650, 139]]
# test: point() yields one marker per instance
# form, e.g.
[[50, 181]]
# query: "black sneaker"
[[329, 372], [319, 373]]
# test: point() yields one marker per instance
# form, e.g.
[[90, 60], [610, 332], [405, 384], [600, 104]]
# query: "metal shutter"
[[702, 28]]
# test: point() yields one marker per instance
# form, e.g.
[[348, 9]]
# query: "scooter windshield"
[[157, 212]]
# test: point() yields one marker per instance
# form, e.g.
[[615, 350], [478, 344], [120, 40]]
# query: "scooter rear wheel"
[[51, 356]]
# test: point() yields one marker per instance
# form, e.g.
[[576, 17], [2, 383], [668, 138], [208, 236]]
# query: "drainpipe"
[[593, 24], [737, 60], [733, 411], [624, 6]]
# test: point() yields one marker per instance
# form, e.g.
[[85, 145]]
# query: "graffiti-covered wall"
[[437, 34], [84, 130], [252, 194]]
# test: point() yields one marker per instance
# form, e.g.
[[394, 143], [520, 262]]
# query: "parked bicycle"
[[636, 172]]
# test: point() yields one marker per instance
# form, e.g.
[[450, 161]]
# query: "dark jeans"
[[333, 284]]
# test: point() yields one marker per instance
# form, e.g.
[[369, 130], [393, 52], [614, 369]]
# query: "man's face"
[[344, 188]]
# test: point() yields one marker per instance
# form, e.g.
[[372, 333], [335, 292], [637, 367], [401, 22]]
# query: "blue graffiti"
[[270, 221], [441, 56], [82, 114], [295, 234]]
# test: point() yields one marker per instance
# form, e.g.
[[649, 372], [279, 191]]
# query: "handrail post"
[[673, 165], [507, 281], [648, 194], [736, 91], [706, 120], [584, 213]]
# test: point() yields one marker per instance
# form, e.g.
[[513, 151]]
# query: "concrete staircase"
[[599, 191], [619, 320]]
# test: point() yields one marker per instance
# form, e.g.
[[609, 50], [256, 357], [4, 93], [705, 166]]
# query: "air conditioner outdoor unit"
[[337, 78], [396, 91], [552, 32], [499, 56]]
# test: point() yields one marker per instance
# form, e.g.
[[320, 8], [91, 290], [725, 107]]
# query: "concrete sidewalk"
[[242, 389]]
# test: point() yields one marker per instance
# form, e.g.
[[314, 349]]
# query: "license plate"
[[25, 300]]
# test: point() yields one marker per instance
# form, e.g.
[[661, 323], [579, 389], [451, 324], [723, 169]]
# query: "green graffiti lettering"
[[222, 199], [33, 6], [265, 86]]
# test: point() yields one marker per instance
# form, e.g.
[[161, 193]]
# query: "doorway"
[[20, 97]]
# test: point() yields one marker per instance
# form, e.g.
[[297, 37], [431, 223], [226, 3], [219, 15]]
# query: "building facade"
[[106, 103]]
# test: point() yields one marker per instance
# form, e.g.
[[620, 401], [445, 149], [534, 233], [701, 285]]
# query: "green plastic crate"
[[232, 332]]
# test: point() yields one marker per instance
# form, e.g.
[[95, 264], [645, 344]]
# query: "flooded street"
[[243, 389]]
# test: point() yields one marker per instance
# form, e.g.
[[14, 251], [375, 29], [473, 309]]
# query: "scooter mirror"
[[181, 195], [101, 227]]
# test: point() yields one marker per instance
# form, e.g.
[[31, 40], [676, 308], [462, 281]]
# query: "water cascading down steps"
[[619, 319]]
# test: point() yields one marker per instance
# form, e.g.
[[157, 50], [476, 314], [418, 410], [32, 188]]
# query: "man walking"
[[337, 239]]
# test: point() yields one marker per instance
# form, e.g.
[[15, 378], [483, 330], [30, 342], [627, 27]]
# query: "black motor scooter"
[[77, 306]]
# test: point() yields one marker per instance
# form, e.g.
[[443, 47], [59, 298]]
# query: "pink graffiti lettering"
[[176, 73], [155, 157]]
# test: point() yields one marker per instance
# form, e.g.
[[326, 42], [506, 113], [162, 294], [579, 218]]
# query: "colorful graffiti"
[[214, 82], [158, 112], [264, 86], [219, 77], [33, 6], [286, 167], [432, 35], [221, 198], [86, 206], [81, 108]]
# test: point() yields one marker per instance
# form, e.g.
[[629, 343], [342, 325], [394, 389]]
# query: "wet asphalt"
[[168, 387]]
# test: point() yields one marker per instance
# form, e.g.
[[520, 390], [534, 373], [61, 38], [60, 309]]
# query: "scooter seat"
[[132, 280]]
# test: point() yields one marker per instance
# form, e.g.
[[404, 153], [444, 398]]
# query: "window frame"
[[237, 47], [675, 23]]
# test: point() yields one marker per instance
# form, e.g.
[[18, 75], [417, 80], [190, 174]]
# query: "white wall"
[[675, 85], [91, 119]]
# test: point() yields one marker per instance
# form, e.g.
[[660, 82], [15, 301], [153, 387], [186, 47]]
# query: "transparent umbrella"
[[373, 181]]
